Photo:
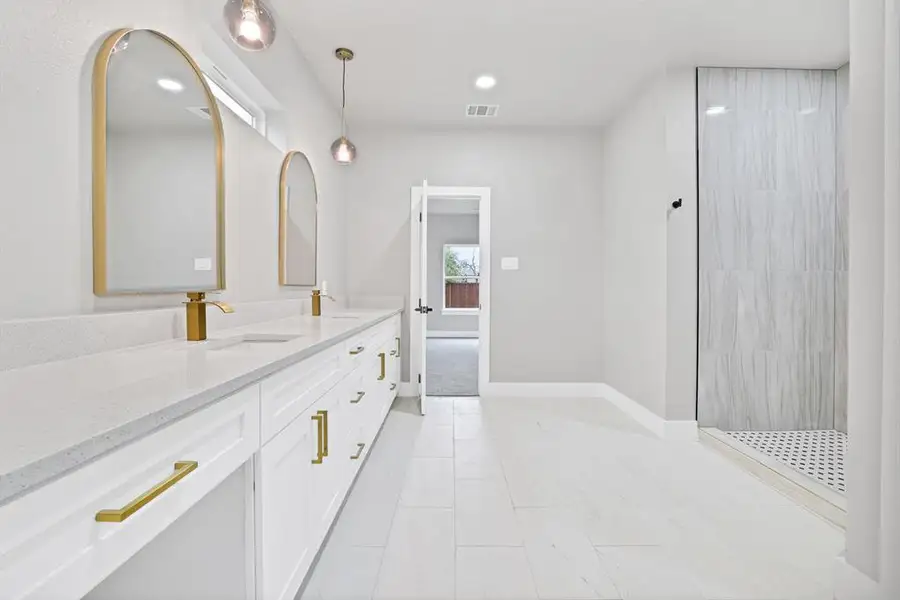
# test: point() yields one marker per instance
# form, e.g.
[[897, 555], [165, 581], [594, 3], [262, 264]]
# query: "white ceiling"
[[558, 62]]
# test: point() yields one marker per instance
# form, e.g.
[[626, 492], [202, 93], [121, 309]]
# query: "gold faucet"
[[317, 296], [196, 315]]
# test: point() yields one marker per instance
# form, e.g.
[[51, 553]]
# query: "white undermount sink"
[[250, 339]]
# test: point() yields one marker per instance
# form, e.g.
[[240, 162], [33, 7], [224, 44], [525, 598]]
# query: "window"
[[462, 276], [228, 100]]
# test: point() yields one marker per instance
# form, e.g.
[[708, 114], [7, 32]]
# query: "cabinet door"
[[328, 480], [284, 477]]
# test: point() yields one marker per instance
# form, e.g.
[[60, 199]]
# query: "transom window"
[[462, 277], [242, 112]]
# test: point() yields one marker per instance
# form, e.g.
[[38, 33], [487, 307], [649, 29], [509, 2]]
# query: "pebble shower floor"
[[818, 454]]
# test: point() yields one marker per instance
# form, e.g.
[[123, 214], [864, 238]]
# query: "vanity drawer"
[[366, 343], [288, 393], [53, 547]]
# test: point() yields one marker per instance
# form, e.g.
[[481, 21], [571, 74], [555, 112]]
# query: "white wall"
[[46, 53], [865, 325], [648, 252], [447, 229], [545, 204], [681, 245]]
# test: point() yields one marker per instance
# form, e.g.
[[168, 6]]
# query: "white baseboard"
[[852, 584], [452, 334], [541, 390], [408, 389], [667, 430]]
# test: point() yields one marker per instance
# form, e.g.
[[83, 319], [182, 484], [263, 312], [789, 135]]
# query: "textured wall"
[[767, 249]]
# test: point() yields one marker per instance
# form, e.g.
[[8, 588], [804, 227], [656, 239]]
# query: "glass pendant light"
[[343, 150], [250, 24]]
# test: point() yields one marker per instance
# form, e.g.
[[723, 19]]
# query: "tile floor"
[[818, 454], [563, 499]]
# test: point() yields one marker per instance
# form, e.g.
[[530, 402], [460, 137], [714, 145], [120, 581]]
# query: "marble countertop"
[[57, 416]]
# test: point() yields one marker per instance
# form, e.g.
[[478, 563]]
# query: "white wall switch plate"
[[509, 263], [203, 264]]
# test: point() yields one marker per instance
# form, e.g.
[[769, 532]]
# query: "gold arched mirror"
[[298, 222], [158, 180]]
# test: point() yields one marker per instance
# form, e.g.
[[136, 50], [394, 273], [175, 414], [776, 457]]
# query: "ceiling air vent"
[[482, 110], [200, 111]]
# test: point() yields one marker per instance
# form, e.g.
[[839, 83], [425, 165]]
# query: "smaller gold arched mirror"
[[298, 222], [158, 189]]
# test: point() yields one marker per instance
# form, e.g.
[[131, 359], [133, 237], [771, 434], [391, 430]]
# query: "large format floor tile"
[[563, 499], [419, 559]]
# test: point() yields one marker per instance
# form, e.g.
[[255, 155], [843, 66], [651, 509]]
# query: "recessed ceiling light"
[[717, 110], [485, 82], [170, 85]]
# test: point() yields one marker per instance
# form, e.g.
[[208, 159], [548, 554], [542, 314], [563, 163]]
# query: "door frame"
[[483, 195]]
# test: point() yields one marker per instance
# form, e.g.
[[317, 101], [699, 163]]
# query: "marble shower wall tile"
[[842, 249], [800, 390], [768, 250], [735, 229], [802, 232], [805, 155], [729, 388], [736, 311], [766, 390], [802, 311], [842, 290]]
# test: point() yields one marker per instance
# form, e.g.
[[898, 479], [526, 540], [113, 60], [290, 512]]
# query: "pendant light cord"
[[343, 94]]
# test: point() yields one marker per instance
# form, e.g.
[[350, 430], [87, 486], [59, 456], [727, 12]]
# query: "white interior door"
[[422, 307]]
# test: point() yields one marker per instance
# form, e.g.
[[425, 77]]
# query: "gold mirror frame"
[[282, 222], [99, 91]]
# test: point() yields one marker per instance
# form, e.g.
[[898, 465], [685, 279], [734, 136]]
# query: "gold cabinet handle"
[[324, 414], [359, 451], [359, 397], [357, 350], [320, 439], [393, 386], [182, 469], [382, 376], [397, 351]]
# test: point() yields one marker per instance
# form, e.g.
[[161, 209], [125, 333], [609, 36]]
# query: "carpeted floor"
[[452, 367]]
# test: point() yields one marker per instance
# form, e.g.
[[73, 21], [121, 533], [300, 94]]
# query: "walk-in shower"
[[773, 259]]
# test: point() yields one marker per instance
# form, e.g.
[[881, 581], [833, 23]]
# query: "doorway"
[[449, 291]]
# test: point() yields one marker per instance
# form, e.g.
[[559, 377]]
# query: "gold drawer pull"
[[117, 516], [357, 350], [359, 397], [324, 414], [382, 376], [393, 386], [397, 351], [320, 438], [359, 451]]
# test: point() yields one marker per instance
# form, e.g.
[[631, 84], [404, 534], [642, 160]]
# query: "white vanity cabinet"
[[231, 502], [284, 480], [305, 471], [51, 544]]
